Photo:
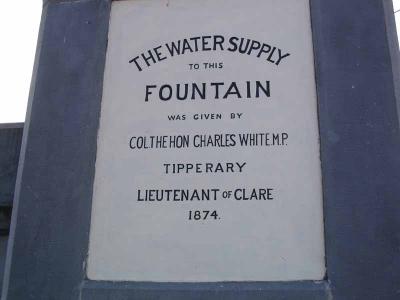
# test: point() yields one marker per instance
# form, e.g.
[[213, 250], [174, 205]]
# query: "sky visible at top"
[[19, 30]]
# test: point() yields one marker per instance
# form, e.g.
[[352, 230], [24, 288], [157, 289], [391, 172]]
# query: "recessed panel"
[[208, 165]]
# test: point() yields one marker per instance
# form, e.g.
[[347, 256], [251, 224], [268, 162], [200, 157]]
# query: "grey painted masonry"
[[357, 83]]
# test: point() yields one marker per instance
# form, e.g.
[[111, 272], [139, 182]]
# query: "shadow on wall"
[[10, 146]]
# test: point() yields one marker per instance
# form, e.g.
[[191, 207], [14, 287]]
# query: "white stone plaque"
[[208, 165]]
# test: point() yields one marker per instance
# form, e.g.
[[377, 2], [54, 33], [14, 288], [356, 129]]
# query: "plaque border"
[[356, 64]]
